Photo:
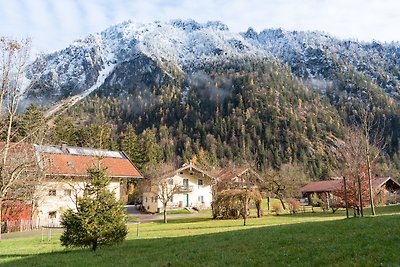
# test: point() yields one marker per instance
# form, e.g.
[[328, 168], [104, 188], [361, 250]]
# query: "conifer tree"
[[131, 146], [100, 219], [31, 125]]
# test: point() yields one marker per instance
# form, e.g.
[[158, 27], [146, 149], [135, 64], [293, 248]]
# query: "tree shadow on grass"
[[338, 243], [185, 220]]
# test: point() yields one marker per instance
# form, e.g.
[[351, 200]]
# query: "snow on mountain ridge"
[[187, 44]]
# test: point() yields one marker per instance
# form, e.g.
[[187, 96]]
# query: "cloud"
[[53, 24]]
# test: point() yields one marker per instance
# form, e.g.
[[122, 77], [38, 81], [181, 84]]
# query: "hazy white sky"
[[53, 24]]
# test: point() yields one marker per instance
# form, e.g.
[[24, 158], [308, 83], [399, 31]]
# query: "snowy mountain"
[[315, 55], [137, 50], [133, 55]]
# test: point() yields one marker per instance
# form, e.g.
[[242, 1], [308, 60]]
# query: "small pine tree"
[[99, 220]]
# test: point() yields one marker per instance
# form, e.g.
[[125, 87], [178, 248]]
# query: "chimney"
[[64, 148]]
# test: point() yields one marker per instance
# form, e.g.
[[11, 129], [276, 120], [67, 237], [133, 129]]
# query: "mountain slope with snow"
[[134, 55]]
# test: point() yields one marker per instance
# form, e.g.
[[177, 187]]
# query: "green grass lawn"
[[133, 218], [306, 239], [181, 211]]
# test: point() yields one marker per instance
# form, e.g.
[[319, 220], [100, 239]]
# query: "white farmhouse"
[[65, 174], [194, 185]]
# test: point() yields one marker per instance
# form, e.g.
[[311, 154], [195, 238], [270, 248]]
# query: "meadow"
[[304, 239]]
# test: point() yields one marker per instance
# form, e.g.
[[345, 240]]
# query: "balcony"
[[185, 188]]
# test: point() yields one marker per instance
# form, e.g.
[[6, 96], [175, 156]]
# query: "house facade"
[[65, 176], [192, 186]]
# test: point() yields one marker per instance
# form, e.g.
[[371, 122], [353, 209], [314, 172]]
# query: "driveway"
[[148, 217]]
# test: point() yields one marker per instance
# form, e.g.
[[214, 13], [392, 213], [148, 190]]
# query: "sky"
[[54, 24]]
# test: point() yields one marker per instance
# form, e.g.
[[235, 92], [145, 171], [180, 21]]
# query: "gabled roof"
[[74, 161], [184, 167], [332, 185], [380, 181], [232, 174], [76, 165]]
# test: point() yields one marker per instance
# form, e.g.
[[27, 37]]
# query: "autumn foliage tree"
[[354, 168], [357, 189]]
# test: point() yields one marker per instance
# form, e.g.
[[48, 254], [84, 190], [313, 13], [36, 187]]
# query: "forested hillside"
[[188, 91]]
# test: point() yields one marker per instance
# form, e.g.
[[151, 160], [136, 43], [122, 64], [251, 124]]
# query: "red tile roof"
[[331, 185], [322, 186], [65, 160], [62, 164]]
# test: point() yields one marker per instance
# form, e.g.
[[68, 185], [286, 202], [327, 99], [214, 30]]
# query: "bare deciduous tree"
[[373, 146], [285, 182], [161, 185], [13, 59]]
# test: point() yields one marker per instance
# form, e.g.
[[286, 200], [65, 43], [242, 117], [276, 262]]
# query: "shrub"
[[294, 205], [277, 208]]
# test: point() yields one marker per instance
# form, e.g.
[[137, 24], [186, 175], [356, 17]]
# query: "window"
[[70, 164], [53, 214], [146, 200], [52, 192], [200, 182], [67, 192], [171, 181], [172, 199], [185, 182], [201, 199], [152, 199]]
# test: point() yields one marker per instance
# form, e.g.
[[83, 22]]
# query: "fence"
[[17, 226]]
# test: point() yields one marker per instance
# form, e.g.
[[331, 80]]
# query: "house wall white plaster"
[[198, 195], [57, 195]]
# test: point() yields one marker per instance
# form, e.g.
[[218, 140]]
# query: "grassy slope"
[[302, 240]]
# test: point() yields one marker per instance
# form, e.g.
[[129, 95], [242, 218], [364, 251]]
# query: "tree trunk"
[[328, 206], [268, 202], [165, 213], [258, 205], [1, 215], [371, 193], [346, 202], [360, 195], [283, 203], [245, 208], [94, 245]]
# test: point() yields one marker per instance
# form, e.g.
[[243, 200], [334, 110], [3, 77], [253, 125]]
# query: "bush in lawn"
[[294, 205], [315, 201], [277, 208], [99, 220]]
